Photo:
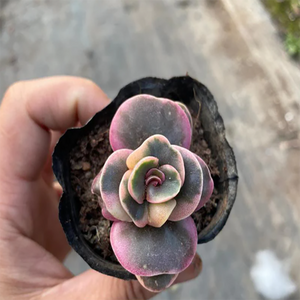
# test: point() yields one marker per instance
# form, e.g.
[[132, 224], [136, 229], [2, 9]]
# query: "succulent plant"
[[155, 249], [149, 187]]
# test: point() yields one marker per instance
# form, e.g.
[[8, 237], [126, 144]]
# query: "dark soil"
[[86, 160], [200, 147]]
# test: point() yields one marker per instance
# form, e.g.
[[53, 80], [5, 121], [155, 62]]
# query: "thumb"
[[93, 285]]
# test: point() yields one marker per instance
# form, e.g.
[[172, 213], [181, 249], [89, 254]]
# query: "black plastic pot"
[[184, 89]]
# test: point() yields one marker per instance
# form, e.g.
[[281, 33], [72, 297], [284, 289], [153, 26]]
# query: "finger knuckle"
[[13, 90]]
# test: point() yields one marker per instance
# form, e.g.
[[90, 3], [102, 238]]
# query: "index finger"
[[30, 109]]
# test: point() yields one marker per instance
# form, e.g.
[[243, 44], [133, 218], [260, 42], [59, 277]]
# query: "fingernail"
[[197, 265], [192, 271]]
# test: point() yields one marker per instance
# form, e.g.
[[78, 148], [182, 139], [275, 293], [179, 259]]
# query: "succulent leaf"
[[158, 146], [96, 190], [137, 212], [168, 189], [187, 112], [96, 185], [111, 175], [153, 180], [189, 196], [154, 177], [157, 283], [151, 116], [151, 251], [159, 213], [107, 215], [208, 183], [136, 183]]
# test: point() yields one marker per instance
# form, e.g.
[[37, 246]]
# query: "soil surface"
[[87, 159]]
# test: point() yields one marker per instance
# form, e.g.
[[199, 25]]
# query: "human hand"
[[33, 115]]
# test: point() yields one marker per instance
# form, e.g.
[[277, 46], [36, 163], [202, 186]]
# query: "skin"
[[33, 115]]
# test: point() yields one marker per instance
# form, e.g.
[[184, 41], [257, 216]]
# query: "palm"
[[33, 238]]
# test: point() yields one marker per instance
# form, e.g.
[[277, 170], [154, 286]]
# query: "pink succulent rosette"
[[149, 186]]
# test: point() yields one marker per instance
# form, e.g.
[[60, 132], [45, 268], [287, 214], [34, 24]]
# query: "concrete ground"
[[229, 45]]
